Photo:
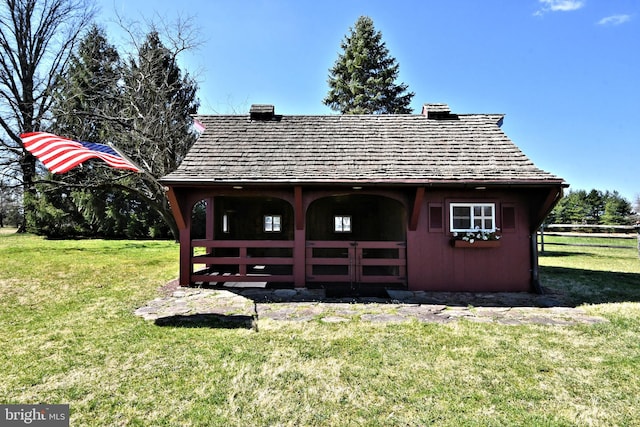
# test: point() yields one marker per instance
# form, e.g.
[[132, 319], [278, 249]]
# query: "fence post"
[[542, 238]]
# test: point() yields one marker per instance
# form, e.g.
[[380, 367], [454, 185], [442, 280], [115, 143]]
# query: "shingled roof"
[[383, 149]]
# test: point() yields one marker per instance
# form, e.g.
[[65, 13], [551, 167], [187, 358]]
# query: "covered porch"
[[295, 237]]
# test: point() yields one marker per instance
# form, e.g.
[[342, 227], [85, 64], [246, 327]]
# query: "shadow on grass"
[[595, 256], [592, 286], [217, 321], [556, 254]]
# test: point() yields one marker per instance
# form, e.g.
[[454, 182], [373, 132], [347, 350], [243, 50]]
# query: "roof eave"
[[371, 182]]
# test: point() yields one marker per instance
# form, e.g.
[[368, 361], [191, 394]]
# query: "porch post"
[[210, 233], [185, 255], [185, 242], [179, 206], [299, 243], [535, 269]]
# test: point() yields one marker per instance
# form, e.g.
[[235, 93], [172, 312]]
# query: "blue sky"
[[565, 72]]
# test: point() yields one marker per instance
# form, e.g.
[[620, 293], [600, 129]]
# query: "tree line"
[[143, 105], [60, 74], [594, 207]]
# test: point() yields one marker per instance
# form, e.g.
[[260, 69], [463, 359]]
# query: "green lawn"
[[593, 275], [68, 335]]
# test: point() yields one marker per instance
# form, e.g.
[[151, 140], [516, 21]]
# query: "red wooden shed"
[[433, 201]]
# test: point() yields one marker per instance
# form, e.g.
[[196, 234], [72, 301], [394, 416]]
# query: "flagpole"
[[143, 170]]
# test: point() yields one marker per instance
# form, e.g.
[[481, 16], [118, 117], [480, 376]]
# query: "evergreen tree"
[[159, 103], [594, 202], [73, 204], [157, 132], [617, 209], [362, 80], [89, 92], [143, 106], [92, 199], [595, 207], [571, 209]]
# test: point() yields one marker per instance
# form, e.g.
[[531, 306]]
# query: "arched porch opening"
[[198, 221], [248, 239], [252, 218], [359, 239]]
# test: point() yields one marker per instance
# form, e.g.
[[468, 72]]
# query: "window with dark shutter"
[[435, 217]]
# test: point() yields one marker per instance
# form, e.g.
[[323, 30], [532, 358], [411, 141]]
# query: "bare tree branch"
[[37, 38]]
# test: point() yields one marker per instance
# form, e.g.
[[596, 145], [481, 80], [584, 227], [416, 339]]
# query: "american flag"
[[60, 155], [199, 127]]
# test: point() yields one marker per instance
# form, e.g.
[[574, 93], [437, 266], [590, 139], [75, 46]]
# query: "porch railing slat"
[[353, 260]]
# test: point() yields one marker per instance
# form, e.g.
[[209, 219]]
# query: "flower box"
[[475, 244]]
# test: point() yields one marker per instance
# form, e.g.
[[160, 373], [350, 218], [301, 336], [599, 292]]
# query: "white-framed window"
[[472, 216], [272, 223], [342, 223]]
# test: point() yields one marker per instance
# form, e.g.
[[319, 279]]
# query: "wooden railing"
[[356, 262], [215, 261], [241, 260]]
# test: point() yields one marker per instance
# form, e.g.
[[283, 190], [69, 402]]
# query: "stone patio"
[[246, 307]]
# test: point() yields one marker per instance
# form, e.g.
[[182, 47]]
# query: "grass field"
[[68, 335]]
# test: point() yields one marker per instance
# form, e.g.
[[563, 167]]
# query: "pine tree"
[[594, 207], [143, 106], [362, 80], [617, 209], [87, 104], [159, 102], [88, 94]]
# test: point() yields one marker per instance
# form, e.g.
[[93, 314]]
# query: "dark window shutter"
[[508, 218], [435, 217]]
